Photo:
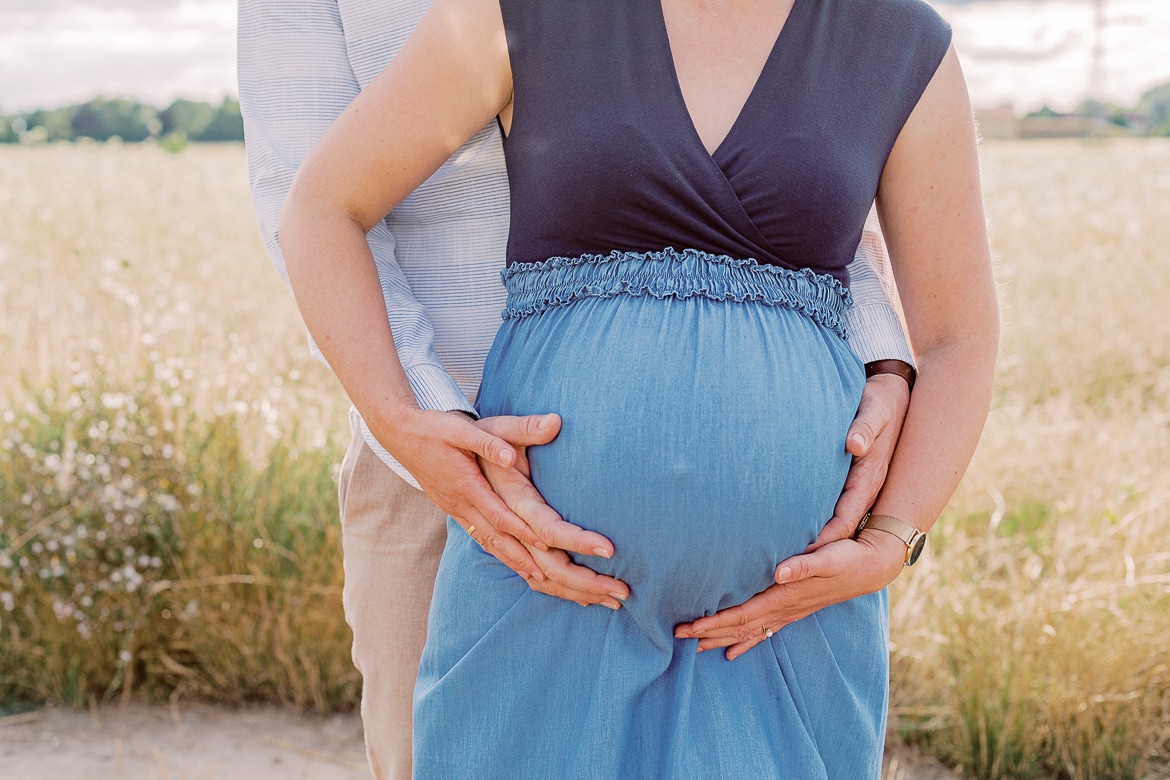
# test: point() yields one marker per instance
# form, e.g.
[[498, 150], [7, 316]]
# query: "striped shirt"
[[440, 251]]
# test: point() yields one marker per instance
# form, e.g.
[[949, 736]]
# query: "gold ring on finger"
[[471, 531]]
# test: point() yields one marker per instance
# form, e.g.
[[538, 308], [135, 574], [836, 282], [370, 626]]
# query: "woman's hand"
[[477, 472], [835, 572], [562, 578], [835, 563]]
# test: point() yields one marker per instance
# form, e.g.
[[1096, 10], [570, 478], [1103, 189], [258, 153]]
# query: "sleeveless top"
[[602, 154]]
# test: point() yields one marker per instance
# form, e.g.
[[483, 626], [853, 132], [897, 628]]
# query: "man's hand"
[[835, 567], [871, 440], [564, 579]]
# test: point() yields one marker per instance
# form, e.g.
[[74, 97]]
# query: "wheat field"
[[168, 450]]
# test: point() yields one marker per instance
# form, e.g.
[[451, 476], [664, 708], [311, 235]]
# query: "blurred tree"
[[228, 124], [100, 119], [1108, 112], [58, 122], [1042, 112], [1155, 107], [187, 117]]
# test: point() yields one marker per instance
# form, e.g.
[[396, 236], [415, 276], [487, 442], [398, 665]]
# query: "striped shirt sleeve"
[[875, 331]]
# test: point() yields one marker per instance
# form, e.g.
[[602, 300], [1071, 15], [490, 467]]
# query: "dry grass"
[[167, 510], [158, 396], [1033, 642]]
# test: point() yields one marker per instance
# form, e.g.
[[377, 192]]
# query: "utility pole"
[[1097, 58]]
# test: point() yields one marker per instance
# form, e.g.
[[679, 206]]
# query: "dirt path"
[[193, 742]]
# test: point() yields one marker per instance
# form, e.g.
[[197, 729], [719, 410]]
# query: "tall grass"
[[1034, 640], [167, 454], [167, 510]]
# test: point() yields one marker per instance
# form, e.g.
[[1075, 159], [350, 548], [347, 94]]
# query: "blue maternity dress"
[[682, 311]]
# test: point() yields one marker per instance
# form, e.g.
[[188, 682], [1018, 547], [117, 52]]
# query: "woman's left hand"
[[836, 572]]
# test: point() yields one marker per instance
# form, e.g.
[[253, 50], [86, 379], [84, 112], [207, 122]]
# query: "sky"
[[1023, 52]]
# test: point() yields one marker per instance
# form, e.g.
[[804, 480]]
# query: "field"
[[168, 450]]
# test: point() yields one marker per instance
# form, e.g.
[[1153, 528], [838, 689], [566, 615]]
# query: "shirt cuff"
[[377, 448], [875, 333], [435, 390]]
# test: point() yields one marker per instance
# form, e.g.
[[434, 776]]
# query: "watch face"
[[915, 552]]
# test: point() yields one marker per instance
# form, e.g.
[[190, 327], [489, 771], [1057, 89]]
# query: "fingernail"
[[856, 439], [507, 458], [544, 423], [617, 595], [783, 573], [612, 604], [602, 552], [538, 576]]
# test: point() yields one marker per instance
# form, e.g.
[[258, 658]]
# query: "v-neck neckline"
[[681, 100]]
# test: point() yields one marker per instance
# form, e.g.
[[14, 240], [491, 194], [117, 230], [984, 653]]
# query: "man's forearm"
[[295, 79]]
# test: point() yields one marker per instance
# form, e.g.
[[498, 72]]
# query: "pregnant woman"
[[689, 181]]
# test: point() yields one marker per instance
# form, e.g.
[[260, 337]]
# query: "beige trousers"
[[392, 537]]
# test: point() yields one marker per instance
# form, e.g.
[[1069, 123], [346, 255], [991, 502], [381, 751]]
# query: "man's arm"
[[875, 334], [295, 79]]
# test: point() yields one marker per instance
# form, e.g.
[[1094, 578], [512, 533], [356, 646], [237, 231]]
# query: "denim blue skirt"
[[705, 402]]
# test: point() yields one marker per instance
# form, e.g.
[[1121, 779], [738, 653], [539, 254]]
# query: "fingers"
[[569, 581], [502, 546], [730, 622], [884, 400], [477, 495], [474, 439], [543, 522], [840, 526], [871, 439], [741, 627], [526, 431]]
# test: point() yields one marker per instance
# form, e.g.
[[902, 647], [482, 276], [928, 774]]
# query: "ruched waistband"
[[669, 273]]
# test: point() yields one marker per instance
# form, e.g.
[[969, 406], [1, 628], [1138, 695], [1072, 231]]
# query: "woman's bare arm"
[[931, 208], [450, 80]]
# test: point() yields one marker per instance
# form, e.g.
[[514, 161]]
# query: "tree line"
[[1150, 117], [102, 119], [184, 120]]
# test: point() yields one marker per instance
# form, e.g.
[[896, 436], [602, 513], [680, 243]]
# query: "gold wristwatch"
[[914, 539]]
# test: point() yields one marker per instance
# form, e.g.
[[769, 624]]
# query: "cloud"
[[54, 52]]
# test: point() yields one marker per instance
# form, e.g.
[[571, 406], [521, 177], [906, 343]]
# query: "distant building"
[[1068, 126], [997, 122]]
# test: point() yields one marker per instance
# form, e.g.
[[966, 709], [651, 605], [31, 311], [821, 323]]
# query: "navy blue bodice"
[[602, 154]]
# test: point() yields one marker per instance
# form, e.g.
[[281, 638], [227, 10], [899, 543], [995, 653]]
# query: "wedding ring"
[[471, 531], [768, 632]]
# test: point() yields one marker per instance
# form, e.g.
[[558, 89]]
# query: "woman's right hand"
[[477, 472], [563, 578]]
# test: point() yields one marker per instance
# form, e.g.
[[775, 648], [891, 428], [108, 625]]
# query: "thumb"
[[798, 567], [523, 431], [474, 439]]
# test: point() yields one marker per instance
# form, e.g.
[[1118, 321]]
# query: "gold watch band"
[[912, 537]]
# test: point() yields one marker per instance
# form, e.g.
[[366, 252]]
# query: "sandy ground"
[[192, 742]]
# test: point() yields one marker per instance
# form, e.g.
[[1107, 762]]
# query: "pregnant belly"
[[704, 438]]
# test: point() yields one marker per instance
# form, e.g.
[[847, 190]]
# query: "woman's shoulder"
[[888, 20]]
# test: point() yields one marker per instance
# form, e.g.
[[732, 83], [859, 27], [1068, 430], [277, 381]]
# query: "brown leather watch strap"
[[899, 367]]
